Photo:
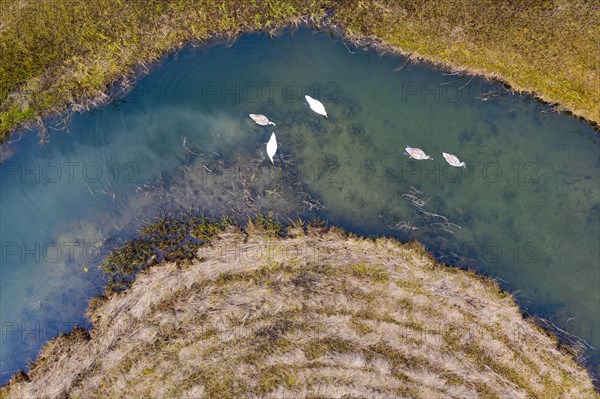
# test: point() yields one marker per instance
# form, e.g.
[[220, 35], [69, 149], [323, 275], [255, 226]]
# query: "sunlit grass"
[[56, 53], [549, 47], [368, 316]]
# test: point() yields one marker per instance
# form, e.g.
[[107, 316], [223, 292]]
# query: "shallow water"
[[525, 210]]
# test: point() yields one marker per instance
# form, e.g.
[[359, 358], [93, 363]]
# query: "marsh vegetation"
[[56, 53], [312, 312]]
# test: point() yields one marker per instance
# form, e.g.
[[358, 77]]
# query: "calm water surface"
[[525, 210]]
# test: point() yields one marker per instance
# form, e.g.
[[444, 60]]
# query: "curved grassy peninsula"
[[57, 53], [307, 313], [209, 309]]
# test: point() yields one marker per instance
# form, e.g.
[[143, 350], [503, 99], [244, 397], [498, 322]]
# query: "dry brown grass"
[[316, 314]]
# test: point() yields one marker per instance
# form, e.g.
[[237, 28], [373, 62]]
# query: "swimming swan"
[[316, 106], [417, 153], [261, 119], [453, 160], [272, 146]]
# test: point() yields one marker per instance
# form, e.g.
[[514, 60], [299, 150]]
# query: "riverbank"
[[58, 54], [299, 312]]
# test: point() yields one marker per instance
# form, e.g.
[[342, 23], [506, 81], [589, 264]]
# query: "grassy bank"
[[300, 312], [55, 53], [546, 47]]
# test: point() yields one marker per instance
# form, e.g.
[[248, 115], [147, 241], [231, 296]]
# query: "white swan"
[[261, 119], [453, 160], [417, 153], [316, 106], [272, 147]]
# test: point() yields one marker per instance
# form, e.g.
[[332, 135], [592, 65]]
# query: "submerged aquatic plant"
[[170, 237], [122, 264], [174, 238], [265, 223]]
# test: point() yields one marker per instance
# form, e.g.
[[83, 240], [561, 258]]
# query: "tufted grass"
[[370, 318], [60, 53]]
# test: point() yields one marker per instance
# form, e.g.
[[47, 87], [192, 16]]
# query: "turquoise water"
[[525, 210]]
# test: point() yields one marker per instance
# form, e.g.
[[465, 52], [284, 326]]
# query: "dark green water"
[[526, 210]]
